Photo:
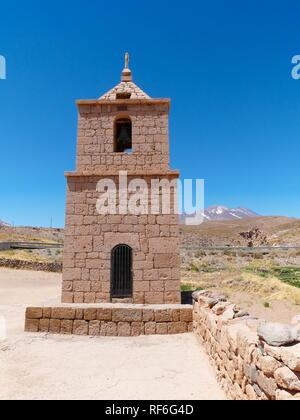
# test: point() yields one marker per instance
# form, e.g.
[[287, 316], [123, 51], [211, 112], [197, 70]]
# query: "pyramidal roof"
[[126, 89]]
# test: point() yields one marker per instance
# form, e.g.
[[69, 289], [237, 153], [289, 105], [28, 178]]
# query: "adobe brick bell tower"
[[121, 257]]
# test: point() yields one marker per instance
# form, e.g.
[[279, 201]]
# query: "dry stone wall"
[[247, 367], [54, 267]]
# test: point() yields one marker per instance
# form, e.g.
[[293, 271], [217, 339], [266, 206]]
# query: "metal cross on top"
[[126, 61]]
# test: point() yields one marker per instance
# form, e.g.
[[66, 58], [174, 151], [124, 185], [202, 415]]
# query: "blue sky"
[[235, 113]]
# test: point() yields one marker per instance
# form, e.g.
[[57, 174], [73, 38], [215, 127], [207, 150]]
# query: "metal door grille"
[[121, 272]]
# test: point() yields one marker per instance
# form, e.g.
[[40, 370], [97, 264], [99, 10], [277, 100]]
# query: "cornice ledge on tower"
[[122, 101], [170, 172]]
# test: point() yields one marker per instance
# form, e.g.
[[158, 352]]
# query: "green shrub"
[[200, 254], [189, 288], [257, 256], [194, 268], [243, 254], [289, 275], [229, 253]]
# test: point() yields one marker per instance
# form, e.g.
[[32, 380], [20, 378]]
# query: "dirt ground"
[[48, 367]]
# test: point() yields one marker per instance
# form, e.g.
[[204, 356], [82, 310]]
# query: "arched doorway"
[[121, 272]]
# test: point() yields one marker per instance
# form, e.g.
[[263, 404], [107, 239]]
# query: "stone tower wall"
[[150, 137], [90, 236]]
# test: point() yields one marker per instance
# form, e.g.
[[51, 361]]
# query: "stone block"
[[90, 314], [291, 356], [78, 243], [79, 314], [63, 313], [137, 328], [78, 297], [148, 315], [126, 315], [138, 297], [251, 372], [190, 327], [177, 327], [151, 275], [94, 328], [163, 315], [112, 239], [175, 315], [165, 274], [66, 327], [162, 245], [34, 313], [268, 365], [109, 328], [152, 231], [157, 286], [162, 328], [268, 385], [186, 314], [153, 298], [150, 328], [67, 297], [287, 379], [67, 286], [142, 286], [251, 394], [80, 327], [90, 297], [167, 220], [124, 329], [47, 313], [172, 297], [82, 286], [104, 314], [71, 274], [44, 325], [276, 334], [32, 325], [282, 395], [166, 260], [55, 325]]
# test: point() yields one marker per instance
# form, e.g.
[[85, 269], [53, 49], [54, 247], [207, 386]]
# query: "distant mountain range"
[[210, 213], [3, 223], [223, 213]]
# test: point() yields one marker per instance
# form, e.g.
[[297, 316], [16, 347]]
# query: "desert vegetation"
[[266, 282], [36, 255]]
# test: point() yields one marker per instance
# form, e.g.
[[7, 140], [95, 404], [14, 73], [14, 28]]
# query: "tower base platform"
[[119, 320]]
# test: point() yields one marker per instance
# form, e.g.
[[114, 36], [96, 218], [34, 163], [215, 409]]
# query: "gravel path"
[[44, 367]]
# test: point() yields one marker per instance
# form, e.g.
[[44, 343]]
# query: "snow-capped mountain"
[[3, 223], [222, 213]]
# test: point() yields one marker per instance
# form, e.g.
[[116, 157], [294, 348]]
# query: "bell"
[[124, 139]]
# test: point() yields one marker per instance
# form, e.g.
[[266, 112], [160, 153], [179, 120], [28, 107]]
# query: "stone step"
[[120, 320]]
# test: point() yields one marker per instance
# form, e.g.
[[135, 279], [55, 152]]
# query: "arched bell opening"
[[123, 135]]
